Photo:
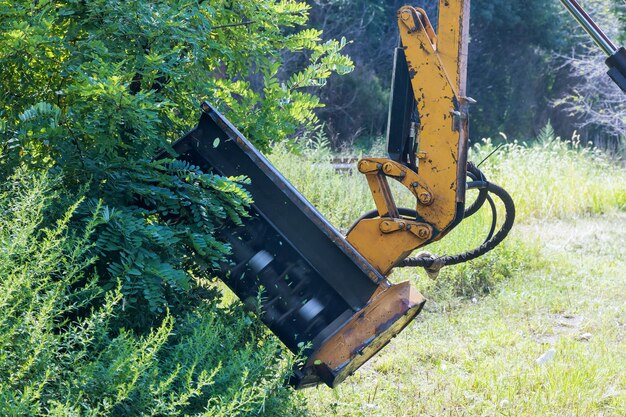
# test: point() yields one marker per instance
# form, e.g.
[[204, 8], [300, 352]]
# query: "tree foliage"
[[95, 89], [510, 72], [356, 105], [595, 101]]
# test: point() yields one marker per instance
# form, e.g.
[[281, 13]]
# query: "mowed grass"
[[477, 357], [557, 287]]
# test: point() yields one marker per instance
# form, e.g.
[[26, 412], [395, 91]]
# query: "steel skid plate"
[[316, 291]]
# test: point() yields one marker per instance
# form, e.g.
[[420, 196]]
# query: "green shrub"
[[96, 89], [61, 354], [112, 310]]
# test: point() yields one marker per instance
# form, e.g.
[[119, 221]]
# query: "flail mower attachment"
[[318, 294]]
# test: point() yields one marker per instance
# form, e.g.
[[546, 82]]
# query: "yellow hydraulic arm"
[[428, 141], [435, 174]]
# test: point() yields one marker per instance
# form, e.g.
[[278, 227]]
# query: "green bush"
[[96, 89], [60, 355], [109, 307]]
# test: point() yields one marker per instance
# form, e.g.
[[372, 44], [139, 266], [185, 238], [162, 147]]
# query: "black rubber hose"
[[476, 175], [494, 218], [482, 186], [490, 244]]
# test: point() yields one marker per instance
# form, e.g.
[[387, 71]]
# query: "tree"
[[511, 73], [356, 105], [94, 89]]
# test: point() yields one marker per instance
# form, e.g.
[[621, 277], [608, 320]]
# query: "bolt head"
[[425, 198]]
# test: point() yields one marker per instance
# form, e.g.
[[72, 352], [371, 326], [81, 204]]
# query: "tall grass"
[[340, 197], [553, 178], [548, 179]]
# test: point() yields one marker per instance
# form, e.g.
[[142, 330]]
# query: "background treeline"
[[529, 64]]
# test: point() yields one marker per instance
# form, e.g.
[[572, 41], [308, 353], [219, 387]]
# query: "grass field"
[[478, 357], [535, 328]]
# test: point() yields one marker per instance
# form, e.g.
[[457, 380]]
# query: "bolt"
[[425, 198], [385, 227], [415, 185], [423, 233]]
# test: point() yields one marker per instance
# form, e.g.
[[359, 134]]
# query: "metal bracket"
[[421, 230], [384, 168]]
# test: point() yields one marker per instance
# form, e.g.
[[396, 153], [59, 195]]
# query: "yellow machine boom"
[[436, 65]]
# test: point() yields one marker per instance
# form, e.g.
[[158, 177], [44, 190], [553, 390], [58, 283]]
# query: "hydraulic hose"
[[488, 245], [432, 263], [475, 174]]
